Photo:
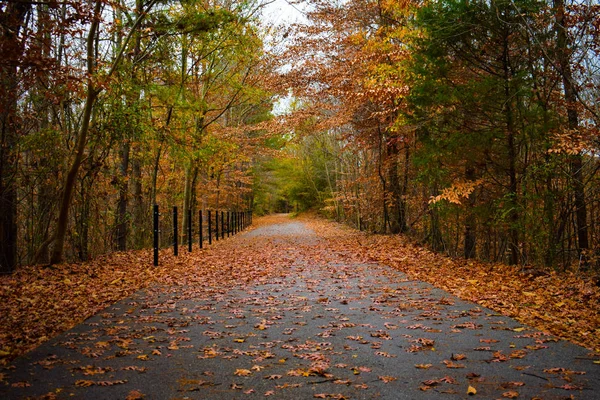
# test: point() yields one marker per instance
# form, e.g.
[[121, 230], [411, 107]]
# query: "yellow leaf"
[[239, 340], [242, 372], [596, 362], [423, 366], [473, 281], [471, 391], [521, 329]]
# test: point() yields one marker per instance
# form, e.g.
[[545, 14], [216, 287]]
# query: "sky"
[[280, 12]]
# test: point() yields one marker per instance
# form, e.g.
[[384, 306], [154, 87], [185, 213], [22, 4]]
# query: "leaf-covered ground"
[[37, 303]]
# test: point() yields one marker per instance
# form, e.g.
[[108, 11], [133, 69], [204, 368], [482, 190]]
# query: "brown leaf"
[[135, 395]]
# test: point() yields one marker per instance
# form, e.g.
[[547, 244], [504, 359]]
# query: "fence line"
[[232, 222]]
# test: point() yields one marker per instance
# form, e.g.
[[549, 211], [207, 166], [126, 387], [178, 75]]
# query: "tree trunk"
[[471, 222], [190, 173], [139, 225], [576, 162], [84, 221], [122, 220], [513, 203], [397, 214], [394, 185], [139, 222], [11, 48]]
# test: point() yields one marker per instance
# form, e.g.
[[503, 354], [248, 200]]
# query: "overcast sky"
[[281, 12]]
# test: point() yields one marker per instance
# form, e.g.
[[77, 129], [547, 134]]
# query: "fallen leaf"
[[242, 372], [423, 366], [135, 395]]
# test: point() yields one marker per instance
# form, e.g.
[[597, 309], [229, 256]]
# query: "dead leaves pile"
[[563, 304]]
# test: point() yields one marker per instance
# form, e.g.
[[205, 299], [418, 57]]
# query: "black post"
[[209, 228], [190, 231], [216, 225], [175, 238], [156, 235], [222, 224], [228, 223], [200, 227]]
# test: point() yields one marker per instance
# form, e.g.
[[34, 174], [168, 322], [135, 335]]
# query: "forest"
[[469, 126]]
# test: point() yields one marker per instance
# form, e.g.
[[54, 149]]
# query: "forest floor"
[[37, 304]]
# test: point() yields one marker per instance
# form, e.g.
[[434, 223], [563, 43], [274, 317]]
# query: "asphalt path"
[[327, 329]]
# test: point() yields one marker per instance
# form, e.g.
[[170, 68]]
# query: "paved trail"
[[325, 330]]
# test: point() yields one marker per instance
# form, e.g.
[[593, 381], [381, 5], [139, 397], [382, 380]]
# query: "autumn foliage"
[[470, 126]]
